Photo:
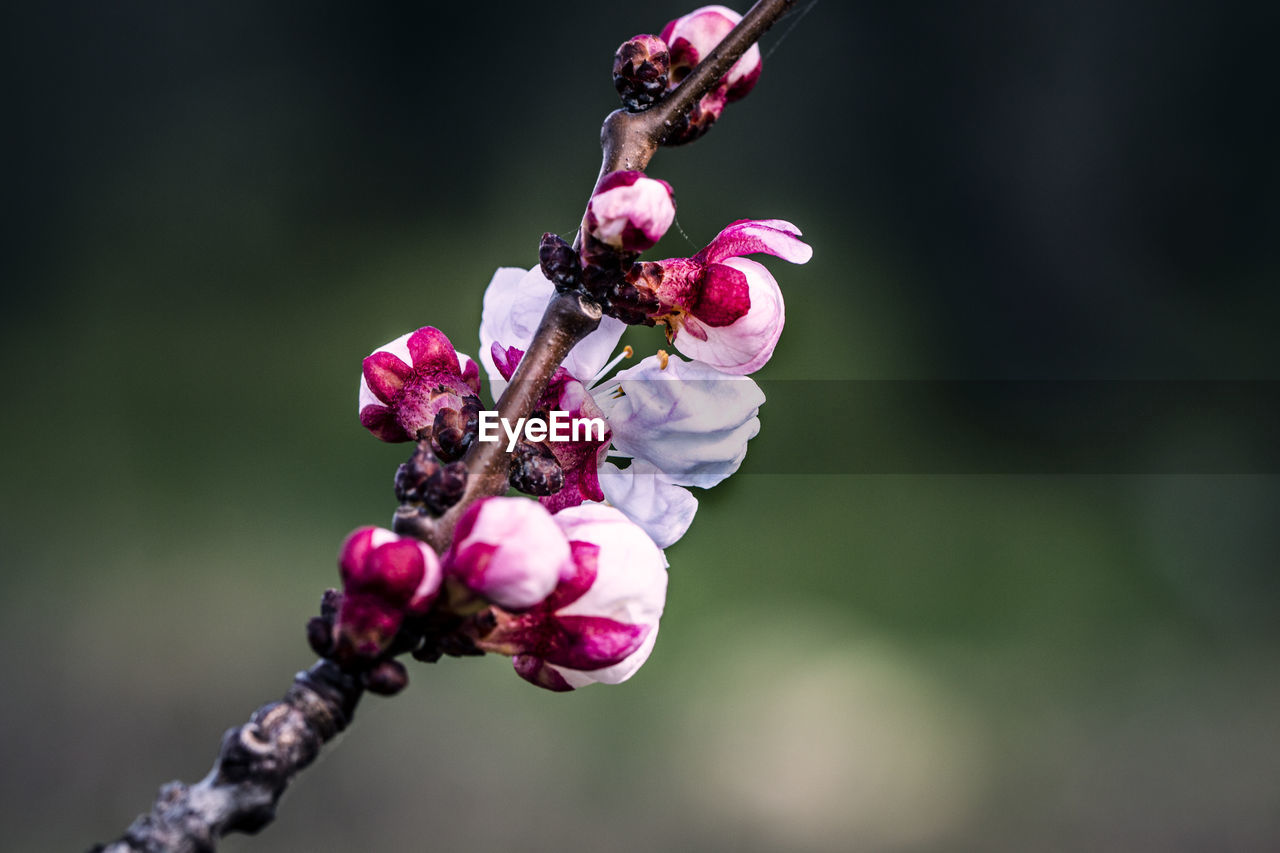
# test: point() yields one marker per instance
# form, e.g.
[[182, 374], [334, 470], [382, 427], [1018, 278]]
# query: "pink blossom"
[[385, 577], [721, 309], [630, 212], [508, 551], [601, 622], [406, 382]]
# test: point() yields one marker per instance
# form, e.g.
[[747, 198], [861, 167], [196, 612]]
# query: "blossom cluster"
[[571, 585]]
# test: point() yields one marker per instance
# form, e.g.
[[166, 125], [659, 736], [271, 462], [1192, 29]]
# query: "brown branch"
[[255, 764], [259, 759]]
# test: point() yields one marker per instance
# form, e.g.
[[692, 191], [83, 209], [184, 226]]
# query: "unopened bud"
[[388, 678], [640, 71], [508, 551], [455, 429], [320, 635], [444, 488], [385, 578], [629, 212], [692, 37], [535, 471], [560, 264], [412, 476]]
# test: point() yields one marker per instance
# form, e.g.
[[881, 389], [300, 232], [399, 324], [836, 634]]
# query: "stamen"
[[663, 358], [627, 352]]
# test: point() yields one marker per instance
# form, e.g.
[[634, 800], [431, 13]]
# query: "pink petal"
[[745, 345], [432, 352], [746, 237], [724, 296], [355, 550], [381, 421], [591, 642], [471, 374], [385, 374]]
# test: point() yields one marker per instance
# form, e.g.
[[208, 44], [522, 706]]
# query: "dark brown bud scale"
[[388, 678], [559, 262], [535, 471]]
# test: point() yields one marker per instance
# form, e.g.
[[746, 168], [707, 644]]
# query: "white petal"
[[514, 303], [690, 421], [631, 582], [662, 509], [745, 345]]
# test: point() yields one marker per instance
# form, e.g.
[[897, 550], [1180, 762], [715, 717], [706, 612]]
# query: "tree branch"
[[255, 764], [259, 759]]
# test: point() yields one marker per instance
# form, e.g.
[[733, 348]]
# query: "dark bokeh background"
[[214, 210]]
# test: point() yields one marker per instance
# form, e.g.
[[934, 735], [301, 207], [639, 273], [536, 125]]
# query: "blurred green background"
[[215, 210]]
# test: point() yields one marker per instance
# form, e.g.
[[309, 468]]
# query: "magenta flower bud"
[[640, 69], [601, 622], [692, 37], [407, 382], [629, 212], [508, 551], [385, 578]]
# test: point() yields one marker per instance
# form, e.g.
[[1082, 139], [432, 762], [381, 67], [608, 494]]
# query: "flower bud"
[[640, 69], [406, 382], [423, 480], [385, 578], [629, 212], [559, 262], [691, 39], [601, 622], [508, 551], [534, 470], [388, 678], [455, 429]]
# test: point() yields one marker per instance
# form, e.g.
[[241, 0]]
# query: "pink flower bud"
[[692, 37], [384, 578], [407, 382], [601, 622], [508, 551], [630, 212]]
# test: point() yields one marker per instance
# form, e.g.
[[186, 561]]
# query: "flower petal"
[[724, 296], [747, 236], [615, 674], [663, 510], [510, 551], [689, 420], [385, 374], [514, 304], [747, 344], [430, 351]]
